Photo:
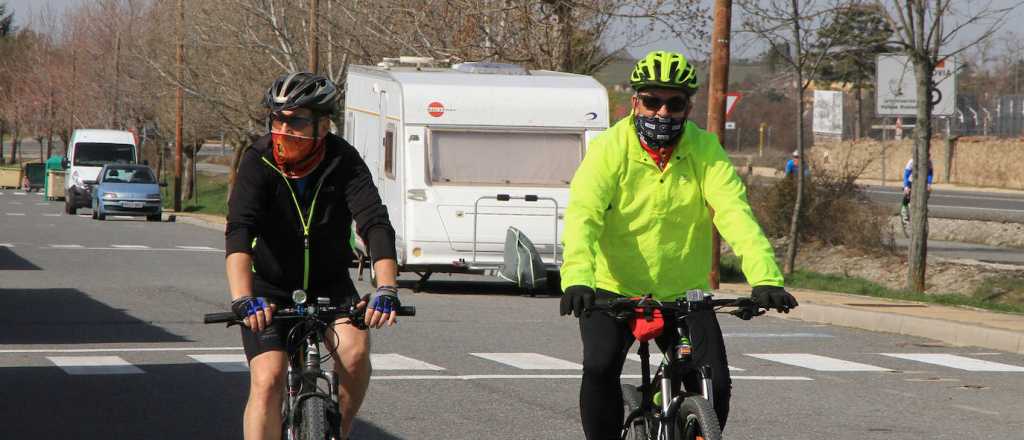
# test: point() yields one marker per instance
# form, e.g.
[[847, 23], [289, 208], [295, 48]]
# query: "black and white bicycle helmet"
[[302, 90]]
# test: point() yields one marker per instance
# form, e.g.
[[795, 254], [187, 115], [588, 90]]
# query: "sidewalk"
[[954, 325], [209, 221]]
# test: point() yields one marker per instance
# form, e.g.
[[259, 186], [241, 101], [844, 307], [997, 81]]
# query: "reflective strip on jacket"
[[633, 229]]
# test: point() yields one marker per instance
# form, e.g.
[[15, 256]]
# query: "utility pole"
[[717, 83], [314, 40], [179, 105]]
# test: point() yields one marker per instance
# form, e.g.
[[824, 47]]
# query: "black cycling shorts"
[[274, 337]]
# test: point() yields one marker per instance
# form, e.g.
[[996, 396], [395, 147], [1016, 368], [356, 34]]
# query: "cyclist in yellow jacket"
[[638, 223]]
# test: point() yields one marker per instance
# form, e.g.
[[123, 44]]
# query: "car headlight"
[[109, 196], [153, 196]]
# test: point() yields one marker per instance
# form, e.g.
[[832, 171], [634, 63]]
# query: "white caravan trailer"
[[461, 154]]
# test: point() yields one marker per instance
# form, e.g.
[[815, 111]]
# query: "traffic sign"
[[896, 86], [731, 99]]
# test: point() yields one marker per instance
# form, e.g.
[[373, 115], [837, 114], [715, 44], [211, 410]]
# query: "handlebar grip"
[[213, 318], [407, 311]]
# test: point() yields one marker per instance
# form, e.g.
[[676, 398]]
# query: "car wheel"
[[153, 218], [69, 206]]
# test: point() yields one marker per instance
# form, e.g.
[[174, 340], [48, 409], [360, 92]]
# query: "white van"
[[460, 154], [88, 151]]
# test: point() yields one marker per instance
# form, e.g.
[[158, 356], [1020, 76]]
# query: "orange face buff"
[[297, 156]]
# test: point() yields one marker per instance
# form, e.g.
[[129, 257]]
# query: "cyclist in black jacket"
[[296, 194]]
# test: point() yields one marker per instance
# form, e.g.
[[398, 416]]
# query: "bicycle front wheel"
[[313, 422], [696, 421], [640, 426]]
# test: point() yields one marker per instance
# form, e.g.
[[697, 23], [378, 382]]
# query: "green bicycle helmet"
[[664, 69]]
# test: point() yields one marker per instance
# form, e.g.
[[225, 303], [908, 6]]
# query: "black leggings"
[[606, 343]]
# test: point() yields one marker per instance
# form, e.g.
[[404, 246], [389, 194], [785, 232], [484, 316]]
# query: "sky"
[[24, 9]]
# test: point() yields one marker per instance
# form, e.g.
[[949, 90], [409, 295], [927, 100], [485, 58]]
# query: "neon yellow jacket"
[[633, 229]]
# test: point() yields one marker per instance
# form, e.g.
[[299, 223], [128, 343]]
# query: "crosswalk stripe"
[[394, 361], [816, 362], [129, 246], [954, 361], [93, 365], [529, 361], [226, 363], [655, 360]]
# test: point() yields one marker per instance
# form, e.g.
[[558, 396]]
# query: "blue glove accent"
[[247, 306], [385, 299]]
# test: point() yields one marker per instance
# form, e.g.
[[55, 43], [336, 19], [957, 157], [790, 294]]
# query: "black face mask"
[[659, 132]]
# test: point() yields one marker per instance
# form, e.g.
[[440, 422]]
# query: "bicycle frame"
[[305, 373], [665, 374]]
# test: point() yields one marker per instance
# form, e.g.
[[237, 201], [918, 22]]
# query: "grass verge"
[[1003, 294], [213, 190]]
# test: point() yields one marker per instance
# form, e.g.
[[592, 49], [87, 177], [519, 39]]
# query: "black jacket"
[[261, 207]]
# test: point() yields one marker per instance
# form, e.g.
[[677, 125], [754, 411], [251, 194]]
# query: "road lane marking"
[[19, 193], [198, 248], [16, 213], [42, 204], [394, 361], [529, 361], [92, 365], [656, 359], [225, 363], [558, 376], [137, 248], [977, 410], [67, 246], [129, 246], [51, 215], [958, 362], [116, 349], [816, 362]]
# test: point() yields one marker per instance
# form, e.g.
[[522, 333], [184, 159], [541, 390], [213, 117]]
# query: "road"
[[968, 205], [101, 337]]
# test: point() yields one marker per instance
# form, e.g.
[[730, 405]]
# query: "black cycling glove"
[[576, 300], [773, 297]]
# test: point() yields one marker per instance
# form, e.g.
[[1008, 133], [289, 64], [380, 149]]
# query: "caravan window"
[[389, 152], [503, 157]]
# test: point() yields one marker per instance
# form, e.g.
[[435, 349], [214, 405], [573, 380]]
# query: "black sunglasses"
[[294, 122], [675, 104]]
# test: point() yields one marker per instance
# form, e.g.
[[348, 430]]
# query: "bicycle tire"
[[696, 420], [313, 422]]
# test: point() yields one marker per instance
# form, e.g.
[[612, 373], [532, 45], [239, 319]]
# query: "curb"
[[954, 333], [193, 220]]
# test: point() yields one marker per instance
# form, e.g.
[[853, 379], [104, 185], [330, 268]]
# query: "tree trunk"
[[858, 125], [3, 131], [563, 10], [794, 224], [14, 146], [918, 250]]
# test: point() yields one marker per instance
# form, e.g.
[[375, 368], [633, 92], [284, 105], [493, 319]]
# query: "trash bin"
[[53, 189], [35, 174], [10, 177]]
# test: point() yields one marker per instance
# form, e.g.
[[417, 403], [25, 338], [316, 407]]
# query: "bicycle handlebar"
[[322, 313], [746, 308]]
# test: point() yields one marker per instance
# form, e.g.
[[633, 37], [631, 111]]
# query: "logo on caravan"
[[435, 109]]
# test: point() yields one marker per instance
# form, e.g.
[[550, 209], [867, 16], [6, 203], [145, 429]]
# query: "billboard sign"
[[896, 86], [828, 112]]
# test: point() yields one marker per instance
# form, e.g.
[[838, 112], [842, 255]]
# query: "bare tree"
[[790, 27], [925, 30]]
